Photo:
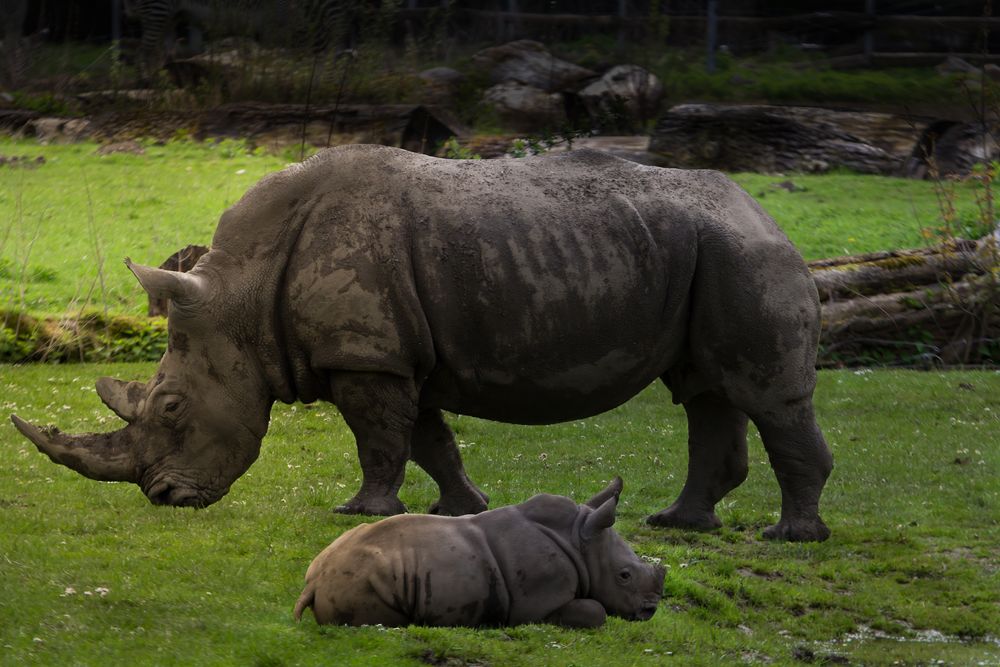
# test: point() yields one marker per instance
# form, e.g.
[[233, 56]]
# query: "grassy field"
[[66, 224], [93, 574]]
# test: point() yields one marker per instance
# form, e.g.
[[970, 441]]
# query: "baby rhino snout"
[[647, 609], [652, 593]]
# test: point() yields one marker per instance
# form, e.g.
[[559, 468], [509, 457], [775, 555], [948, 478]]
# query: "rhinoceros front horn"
[[180, 287], [106, 457]]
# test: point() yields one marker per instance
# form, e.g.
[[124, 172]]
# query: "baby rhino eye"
[[625, 575]]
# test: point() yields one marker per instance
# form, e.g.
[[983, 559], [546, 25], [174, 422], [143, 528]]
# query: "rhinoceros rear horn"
[[180, 287], [613, 490], [124, 398], [102, 456]]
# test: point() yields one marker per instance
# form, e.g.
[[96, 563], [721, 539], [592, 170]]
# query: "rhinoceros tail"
[[305, 600]]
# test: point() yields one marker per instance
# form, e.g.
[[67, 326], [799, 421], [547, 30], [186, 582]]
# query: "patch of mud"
[[21, 161], [747, 572], [130, 147], [430, 657], [866, 634]]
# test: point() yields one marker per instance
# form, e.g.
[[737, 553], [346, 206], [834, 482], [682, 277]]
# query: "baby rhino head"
[[619, 579]]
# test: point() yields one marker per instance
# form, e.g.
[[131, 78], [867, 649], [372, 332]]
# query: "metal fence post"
[[622, 15], [869, 39], [713, 35]]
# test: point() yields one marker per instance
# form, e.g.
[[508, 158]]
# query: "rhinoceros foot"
[[677, 516], [798, 530], [375, 506], [449, 506]]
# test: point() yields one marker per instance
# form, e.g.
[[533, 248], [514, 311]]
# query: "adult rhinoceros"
[[531, 291]]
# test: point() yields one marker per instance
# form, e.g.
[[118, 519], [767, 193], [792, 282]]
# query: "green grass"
[[66, 225], [914, 505]]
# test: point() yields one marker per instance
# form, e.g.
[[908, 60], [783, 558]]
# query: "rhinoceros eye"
[[625, 575], [172, 410]]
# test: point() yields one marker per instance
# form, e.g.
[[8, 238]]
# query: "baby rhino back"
[[407, 569]]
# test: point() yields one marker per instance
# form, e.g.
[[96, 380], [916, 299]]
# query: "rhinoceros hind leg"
[[717, 463], [802, 462], [433, 448], [380, 410], [371, 506], [579, 613]]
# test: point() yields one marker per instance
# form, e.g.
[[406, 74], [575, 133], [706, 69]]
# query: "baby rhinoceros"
[[547, 560]]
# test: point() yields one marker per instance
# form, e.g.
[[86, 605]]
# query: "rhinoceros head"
[[619, 579], [196, 426]]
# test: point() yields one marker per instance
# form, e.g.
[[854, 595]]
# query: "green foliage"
[[44, 103], [453, 150], [94, 574], [965, 223], [86, 336], [536, 144]]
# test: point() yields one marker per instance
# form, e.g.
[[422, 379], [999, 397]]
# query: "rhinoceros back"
[[503, 287]]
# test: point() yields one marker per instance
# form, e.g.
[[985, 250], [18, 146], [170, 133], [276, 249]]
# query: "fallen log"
[[894, 270], [926, 306]]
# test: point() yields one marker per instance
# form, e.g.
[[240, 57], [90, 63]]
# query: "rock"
[[774, 139], [623, 96], [958, 147], [787, 185], [49, 130], [955, 65], [526, 108], [531, 64], [992, 72], [441, 85], [634, 148]]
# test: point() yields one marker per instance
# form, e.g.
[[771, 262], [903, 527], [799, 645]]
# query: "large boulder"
[[526, 108], [949, 149], [440, 85], [531, 64], [772, 139], [623, 96]]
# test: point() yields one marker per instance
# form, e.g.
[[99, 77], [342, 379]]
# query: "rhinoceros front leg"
[[717, 463], [380, 410], [802, 461], [433, 448], [579, 613]]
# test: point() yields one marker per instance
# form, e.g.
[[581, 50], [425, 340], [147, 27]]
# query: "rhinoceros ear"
[[600, 519], [614, 489], [124, 398], [182, 288]]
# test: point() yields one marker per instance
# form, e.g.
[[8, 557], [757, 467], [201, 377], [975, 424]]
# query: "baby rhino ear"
[[600, 519], [614, 489]]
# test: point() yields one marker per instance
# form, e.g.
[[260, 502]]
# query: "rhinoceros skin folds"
[[397, 286]]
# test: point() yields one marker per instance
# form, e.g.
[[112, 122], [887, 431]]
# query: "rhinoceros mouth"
[[165, 492], [646, 611]]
